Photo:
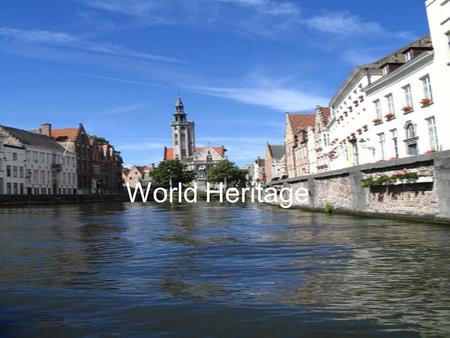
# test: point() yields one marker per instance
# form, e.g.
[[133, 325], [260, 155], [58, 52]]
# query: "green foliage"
[[100, 140], [173, 170], [226, 170], [328, 208], [385, 179]]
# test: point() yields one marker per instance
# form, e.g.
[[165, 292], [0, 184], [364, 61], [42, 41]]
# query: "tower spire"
[[179, 106]]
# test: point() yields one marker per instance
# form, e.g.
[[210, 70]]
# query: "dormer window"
[[409, 55], [385, 70]]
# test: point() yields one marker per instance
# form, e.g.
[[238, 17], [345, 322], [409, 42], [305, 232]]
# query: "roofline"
[[421, 60]]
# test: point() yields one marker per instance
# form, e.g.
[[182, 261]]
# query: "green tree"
[[173, 170], [226, 171]]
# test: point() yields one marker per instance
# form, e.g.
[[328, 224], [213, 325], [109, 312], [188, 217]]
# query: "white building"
[[381, 108], [2, 166], [349, 118], [14, 158], [406, 121], [438, 12], [48, 167]]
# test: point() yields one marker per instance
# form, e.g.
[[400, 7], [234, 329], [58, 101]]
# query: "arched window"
[[411, 138], [410, 130]]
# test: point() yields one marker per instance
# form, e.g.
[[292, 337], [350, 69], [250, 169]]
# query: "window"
[[410, 130], [326, 139], [14, 156], [378, 111], [408, 96], [15, 188], [426, 83], [21, 172], [394, 137], [14, 171], [381, 140], [409, 56], [390, 103], [411, 139], [8, 171], [432, 132], [8, 188]]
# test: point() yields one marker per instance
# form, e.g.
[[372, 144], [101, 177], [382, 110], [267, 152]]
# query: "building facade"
[[275, 162], [406, 120], [99, 165], [438, 12], [14, 169], [48, 168], [318, 141], [294, 139], [356, 121]]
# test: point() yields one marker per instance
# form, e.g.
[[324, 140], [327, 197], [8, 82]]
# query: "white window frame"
[[432, 133], [378, 109], [426, 85], [390, 103], [408, 96]]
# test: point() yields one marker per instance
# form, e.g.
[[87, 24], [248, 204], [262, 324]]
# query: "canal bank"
[[415, 188], [25, 200]]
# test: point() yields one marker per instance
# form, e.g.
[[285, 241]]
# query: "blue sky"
[[116, 66]]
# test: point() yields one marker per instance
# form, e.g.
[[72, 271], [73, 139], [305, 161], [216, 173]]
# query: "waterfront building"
[[39, 163], [406, 120], [259, 172], [76, 140], [137, 174], [99, 165], [438, 12], [255, 172], [198, 159], [318, 142], [355, 117], [2, 165], [296, 126], [12, 168], [275, 162]]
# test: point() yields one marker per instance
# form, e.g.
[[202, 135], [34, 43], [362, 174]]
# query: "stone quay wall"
[[424, 198]]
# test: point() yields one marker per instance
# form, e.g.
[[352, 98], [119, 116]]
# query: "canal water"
[[136, 270]]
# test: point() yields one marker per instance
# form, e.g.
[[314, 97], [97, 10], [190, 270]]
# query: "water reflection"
[[199, 270]]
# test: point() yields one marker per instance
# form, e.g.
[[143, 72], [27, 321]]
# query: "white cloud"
[[62, 39], [349, 25], [273, 97]]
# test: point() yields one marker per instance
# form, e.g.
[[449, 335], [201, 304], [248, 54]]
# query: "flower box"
[[350, 109], [365, 127], [359, 131], [389, 116], [426, 102], [356, 102], [407, 109], [345, 113], [377, 121], [361, 98]]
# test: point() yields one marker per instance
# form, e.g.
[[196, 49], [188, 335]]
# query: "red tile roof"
[[301, 121], [65, 133], [168, 154]]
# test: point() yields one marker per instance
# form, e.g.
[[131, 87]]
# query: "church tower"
[[183, 133]]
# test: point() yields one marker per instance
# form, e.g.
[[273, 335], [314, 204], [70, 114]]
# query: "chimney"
[[46, 129]]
